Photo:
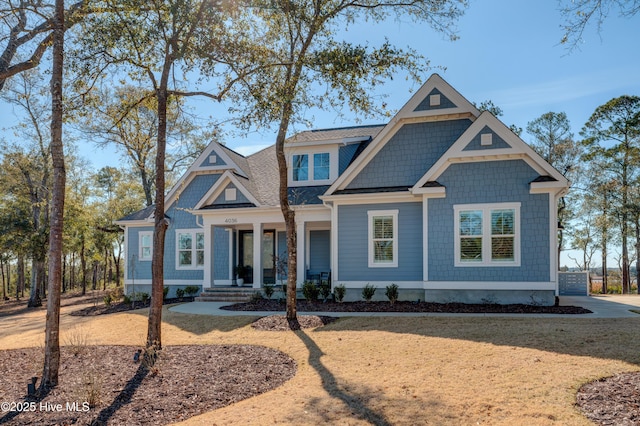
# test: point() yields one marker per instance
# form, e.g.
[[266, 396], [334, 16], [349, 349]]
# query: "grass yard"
[[428, 370]]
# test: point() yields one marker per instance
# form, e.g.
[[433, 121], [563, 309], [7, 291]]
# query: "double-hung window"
[[145, 245], [487, 234], [190, 249], [383, 238]]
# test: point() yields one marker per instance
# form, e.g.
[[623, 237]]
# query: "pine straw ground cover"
[[396, 370]]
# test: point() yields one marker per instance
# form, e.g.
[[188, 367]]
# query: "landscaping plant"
[[339, 291], [310, 291], [368, 291], [392, 293]]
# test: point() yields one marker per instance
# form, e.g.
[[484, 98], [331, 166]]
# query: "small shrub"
[[90, 391], [339, 291], [268, 291], [107, 299], [368, 291], [325, 291], [392, 293], [310, 291], [78, 340], [256, 296], [144, 297], [191, 290], [126, 298], [116, 294], [179, 293], [165, 292]]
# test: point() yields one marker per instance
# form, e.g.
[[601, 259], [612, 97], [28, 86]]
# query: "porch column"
[[300, 248], [257, 255], [207, 273]]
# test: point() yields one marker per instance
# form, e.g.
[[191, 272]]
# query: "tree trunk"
[[64, 273], [83, 266], [154, 330], [34, 296], [4, 288], [52, 328], [20, 284], [637, 223]]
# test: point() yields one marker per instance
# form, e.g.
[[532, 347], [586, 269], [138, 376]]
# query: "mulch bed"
[[305, 306], [612, 400], [184, 382], [280, 322]]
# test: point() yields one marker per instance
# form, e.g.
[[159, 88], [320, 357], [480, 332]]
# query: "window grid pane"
[[185, 258], [502, 222], [471, 249], [321, 166], [300, 167], [383, 251]]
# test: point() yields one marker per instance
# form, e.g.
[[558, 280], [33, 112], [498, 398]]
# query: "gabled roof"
[[447, 104], [227, 159], [507, 146]]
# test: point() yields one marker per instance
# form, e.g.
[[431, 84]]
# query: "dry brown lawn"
[[395, 370]]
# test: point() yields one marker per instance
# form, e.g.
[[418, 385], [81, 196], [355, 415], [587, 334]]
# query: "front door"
[[246, 254], [268, 255]]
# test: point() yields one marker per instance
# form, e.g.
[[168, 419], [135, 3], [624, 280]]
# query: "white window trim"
[[375, 213], [140, 256], [310, 153], [486, 235], [194, 264]]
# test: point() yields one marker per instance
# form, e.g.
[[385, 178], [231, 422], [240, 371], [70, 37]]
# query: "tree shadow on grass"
[[357, 403], [606, 338], [123, 398]]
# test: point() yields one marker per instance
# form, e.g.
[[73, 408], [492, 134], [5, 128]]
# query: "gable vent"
[[434, 100], [486, 139], [213, 159]]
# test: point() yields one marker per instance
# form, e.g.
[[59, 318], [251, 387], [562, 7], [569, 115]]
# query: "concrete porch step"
[[226, 294]]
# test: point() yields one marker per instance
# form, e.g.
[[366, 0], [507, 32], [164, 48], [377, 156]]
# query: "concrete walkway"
[[609, 306]]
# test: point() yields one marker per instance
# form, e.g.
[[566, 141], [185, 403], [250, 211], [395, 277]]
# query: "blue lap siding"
[[353, 243]]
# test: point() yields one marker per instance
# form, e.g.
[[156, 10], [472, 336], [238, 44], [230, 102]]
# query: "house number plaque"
[[231, 220]]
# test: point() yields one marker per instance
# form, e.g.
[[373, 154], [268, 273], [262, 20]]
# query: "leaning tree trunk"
[[52, 328]]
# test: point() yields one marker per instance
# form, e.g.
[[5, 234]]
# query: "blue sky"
[[509, 52]]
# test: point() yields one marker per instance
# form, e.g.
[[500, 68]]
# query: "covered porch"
[[233, 250]]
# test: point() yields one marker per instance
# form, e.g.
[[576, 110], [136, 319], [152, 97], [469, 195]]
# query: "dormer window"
[[313, 166], [321, 166], [319, 169], [300, 167]]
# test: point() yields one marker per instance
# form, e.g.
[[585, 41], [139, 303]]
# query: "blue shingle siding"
[[496, 143], [444, 102], [135, 268], [485, 183], [218, 162], [320, 251], [345, 156], [353, 243], [181, 219], [409, 154], [240, 197], [301, 195], [220, 253]]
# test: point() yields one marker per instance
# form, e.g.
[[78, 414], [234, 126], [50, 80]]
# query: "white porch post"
[[207, 273], [257, 255], [301, 256]]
